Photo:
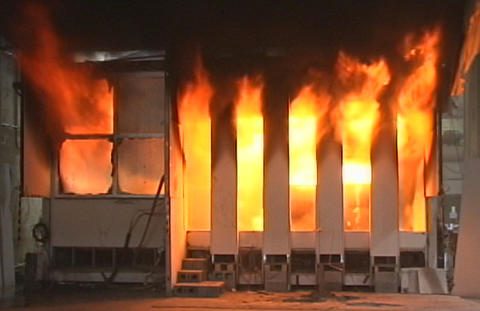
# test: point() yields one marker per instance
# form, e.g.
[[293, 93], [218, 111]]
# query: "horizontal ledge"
[[107, 196], [112, 136]]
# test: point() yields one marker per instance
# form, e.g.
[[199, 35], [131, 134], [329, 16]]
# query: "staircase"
[[192, 279]]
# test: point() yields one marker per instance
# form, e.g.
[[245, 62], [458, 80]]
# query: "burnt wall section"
[[36, 166], [36, 145]]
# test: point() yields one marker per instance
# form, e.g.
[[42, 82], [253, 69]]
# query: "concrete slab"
[[134, 300]]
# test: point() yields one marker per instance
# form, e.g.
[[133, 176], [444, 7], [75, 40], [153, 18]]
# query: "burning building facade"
[[283, 166]]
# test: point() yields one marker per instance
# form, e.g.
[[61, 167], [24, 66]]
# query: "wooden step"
[[191, 276], [195, 264], [202, 289]]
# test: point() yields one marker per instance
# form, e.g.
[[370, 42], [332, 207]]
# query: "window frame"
[[116, 139]]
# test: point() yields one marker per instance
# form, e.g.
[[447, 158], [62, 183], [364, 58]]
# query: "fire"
[[85, 166], [249, 125], [470, 50], [79, 101], [306, 114], [195, 123], [356, 116], [416, 128], [75, 103]]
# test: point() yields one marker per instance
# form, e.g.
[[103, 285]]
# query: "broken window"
[[131, 159], [85, 166], [140, 165]]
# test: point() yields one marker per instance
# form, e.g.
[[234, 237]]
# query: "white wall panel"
[[224, 186], [384, 235], [77, 222], [276, 191], [329, 198]]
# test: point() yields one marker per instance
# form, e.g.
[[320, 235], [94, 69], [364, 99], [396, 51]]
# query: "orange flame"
[[249, 124], [415, 129], [306, 115], [74, 99], [83, 104], [357, 116], [470, 50], [85, 166], [195, 124]]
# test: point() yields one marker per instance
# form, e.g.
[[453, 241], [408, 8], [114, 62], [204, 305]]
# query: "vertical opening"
[[302, 141], [196, 144], [411, 175], [249, 125], [357, 180], [415, 129], [358, 112]]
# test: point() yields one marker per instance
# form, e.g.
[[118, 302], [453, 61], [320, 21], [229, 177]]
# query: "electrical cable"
[[108, 280], [152, 211]]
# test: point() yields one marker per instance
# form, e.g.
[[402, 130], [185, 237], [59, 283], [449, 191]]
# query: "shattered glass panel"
[[140, 165], [86, 166]]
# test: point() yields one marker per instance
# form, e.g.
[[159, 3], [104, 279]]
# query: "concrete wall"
[[9, 122], [467, 273], [9, 170], [452, 150]]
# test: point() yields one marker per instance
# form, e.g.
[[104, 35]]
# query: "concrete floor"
[[138, 300]]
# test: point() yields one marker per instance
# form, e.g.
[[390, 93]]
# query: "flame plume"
[[416, 128], [356, 118], [196, 125], [306, 127], [75, 102], [249, 124]]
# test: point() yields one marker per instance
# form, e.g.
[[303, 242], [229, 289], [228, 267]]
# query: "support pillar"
[[384, 243], [224, 184], [276, 194], [329, 207]]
